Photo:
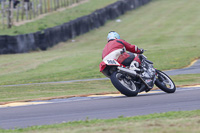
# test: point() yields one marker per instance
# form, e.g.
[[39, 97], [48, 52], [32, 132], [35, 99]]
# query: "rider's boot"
[[134, 66], [135, 63]]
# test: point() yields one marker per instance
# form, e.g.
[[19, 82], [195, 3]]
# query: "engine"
[[149, 73]]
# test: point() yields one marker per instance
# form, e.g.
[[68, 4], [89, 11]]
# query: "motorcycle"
[[131, 82]]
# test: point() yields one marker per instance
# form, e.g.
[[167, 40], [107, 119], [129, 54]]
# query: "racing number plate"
[[112, 62]]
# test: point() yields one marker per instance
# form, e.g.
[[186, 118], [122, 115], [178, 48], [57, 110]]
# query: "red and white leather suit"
[[116, 49]]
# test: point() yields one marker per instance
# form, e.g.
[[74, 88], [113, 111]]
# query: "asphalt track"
[[98, 107]]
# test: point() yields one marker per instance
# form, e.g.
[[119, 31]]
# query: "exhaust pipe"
[[128, 71], [132, 73]]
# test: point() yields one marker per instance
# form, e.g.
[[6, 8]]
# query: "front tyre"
[[164, 82], [123, 84]]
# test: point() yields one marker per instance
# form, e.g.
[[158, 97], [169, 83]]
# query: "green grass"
[[64, 90], [45, 91], [152, 27], [179, 122], [169, 33], [58, 18], [188, 79]]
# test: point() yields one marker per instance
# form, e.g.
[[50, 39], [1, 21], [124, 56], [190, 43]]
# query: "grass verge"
[[60, 90], [43, 91], [181, 121]]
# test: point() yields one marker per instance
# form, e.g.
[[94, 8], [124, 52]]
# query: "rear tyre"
[[164, 82], [123, 84]]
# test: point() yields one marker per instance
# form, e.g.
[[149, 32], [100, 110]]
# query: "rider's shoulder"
[[121, 40]]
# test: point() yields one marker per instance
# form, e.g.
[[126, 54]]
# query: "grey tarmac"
[[99, 108]]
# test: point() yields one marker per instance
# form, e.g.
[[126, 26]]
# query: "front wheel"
[[123, 84], [164, 82]]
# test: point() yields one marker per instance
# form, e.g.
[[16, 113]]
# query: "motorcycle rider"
[[116, 49]]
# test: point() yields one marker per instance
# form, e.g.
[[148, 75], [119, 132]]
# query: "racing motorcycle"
[[131, 82]]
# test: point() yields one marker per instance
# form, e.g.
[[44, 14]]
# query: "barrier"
[[52, 36]]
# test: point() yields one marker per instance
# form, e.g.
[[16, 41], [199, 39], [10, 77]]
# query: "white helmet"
[[113, 35]]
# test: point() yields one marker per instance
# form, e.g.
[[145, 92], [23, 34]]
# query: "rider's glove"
[[141, 51]]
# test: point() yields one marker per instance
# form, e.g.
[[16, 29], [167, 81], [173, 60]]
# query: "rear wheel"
[[125, 85], [164, 82]]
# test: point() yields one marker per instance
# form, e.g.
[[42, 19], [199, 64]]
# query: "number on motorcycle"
[[112, 62]]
